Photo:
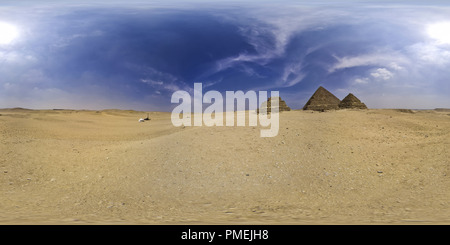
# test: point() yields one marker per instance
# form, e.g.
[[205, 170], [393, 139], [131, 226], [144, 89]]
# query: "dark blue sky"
[[134, 55]]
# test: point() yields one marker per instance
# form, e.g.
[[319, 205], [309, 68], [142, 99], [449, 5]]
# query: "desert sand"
[[336, 167]]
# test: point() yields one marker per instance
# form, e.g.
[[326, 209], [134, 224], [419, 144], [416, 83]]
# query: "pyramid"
[[350, 101], [322, 100], [282, 106]]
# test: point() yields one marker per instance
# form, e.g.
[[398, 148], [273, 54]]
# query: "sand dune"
[[346, 166]]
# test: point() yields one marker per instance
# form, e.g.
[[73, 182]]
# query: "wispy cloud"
[[373, 59]]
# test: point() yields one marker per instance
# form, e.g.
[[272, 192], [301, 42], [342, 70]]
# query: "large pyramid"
[[350, 101], [322, 100], [282, 106]]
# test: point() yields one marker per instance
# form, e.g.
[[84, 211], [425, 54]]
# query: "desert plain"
[[376, 166]]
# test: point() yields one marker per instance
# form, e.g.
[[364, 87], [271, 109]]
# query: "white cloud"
[[211, 83], [431, 54], [152, 82], [292, 75], [273, 29], [15, 57], [160, 81], [395, 66], [64, 41], [382, 59], [160, 85], [382, 73], [363, 80]]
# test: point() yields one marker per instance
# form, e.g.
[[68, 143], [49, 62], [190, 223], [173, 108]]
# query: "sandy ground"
[[337, 167]]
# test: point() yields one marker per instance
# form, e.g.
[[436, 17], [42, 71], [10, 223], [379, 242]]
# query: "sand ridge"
[[345, 166]]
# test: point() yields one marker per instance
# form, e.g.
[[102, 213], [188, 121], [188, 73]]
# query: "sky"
[[136, 54]]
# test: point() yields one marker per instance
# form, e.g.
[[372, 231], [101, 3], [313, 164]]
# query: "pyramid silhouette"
[[350, 101], [322, 100], [282, 106]]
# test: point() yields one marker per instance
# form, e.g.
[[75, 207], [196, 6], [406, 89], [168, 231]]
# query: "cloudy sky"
[[134, 55]]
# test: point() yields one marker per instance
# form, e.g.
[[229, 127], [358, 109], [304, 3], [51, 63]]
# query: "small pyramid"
[[322, 100], [282, 106], [350, 101]]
